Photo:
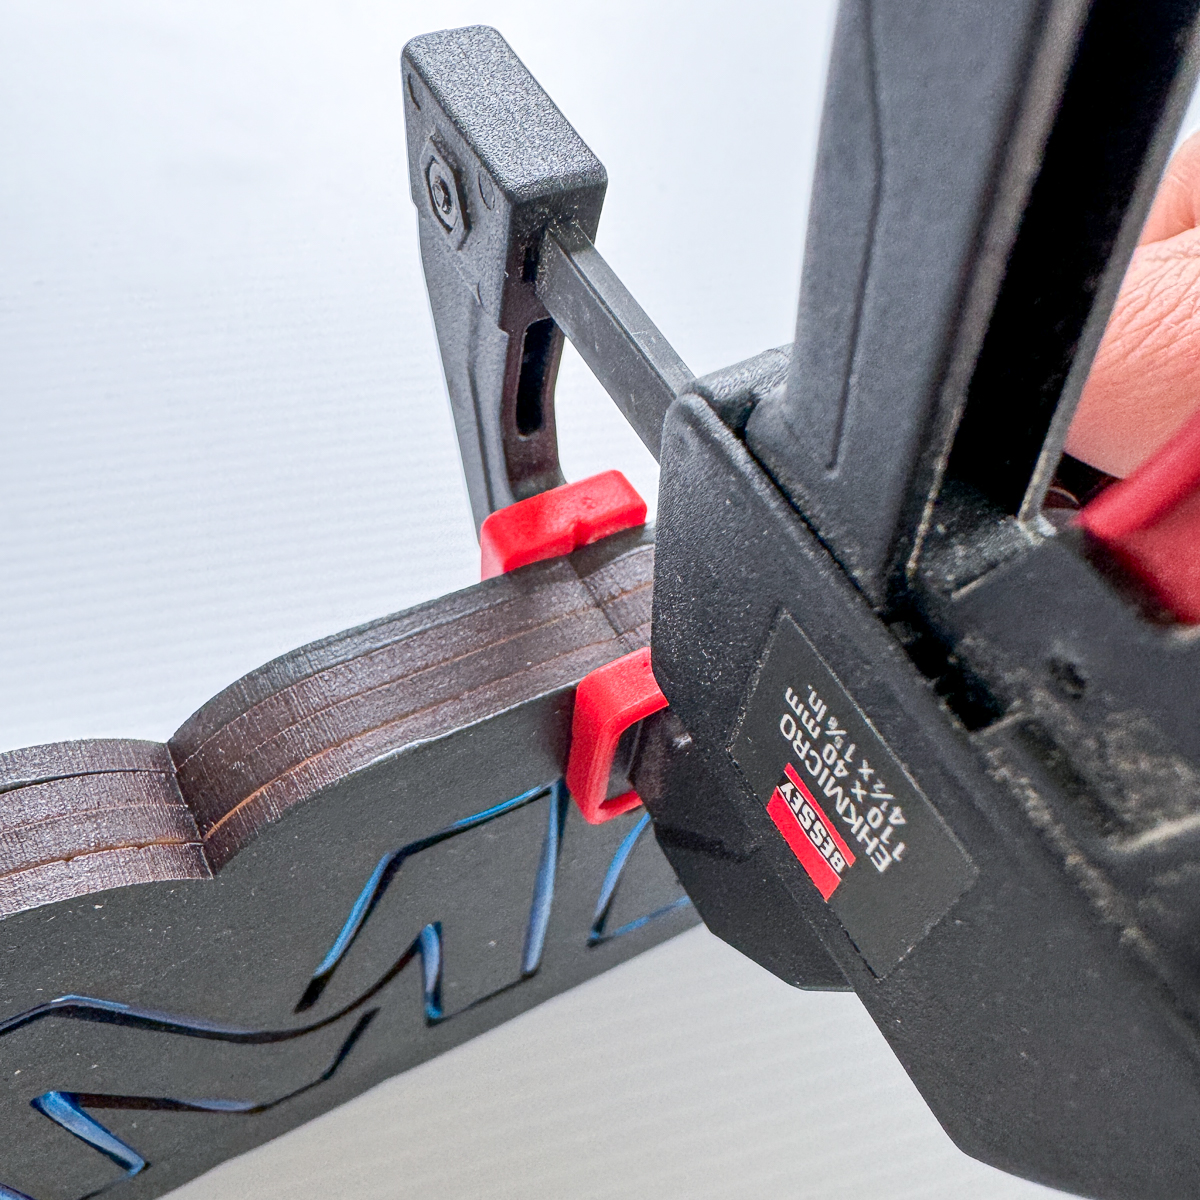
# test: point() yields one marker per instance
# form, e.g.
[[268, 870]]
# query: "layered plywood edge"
[[84, 816]]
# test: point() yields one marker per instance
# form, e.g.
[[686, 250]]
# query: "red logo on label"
[[809, 832]]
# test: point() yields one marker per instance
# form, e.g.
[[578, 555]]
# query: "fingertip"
[[1176, 206]]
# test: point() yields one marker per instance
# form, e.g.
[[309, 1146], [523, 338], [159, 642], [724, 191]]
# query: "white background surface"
[[225, 434]]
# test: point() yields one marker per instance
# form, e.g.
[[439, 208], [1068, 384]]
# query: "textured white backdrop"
[[224, 434]]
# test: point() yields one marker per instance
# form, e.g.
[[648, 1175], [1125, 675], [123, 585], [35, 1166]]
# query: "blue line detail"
[[375, 887], [66, 1109], [543, 891], [90, 1008], [599, 933], [63, 1109], [430, 942]]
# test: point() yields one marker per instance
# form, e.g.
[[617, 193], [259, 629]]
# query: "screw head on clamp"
[[444, 194]]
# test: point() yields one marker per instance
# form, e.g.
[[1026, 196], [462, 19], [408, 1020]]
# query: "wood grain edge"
[[85, 816]]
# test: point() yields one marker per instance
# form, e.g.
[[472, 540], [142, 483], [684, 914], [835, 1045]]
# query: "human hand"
[[1145, 381]]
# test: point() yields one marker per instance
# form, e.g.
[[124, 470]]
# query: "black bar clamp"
[[920, 743]]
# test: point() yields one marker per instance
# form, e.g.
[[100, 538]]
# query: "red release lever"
[[1150, 522], [608, 702], [558, 521]]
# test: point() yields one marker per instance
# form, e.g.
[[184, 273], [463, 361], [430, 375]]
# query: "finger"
[[1145, 381], [1177, 202]]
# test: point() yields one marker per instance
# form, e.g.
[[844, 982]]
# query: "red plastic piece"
[[1151, 523], [608, 702], [559, 521]]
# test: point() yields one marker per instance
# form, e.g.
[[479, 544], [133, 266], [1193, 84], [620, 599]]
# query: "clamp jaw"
[[487, 176], [921, 742], [508, 200]]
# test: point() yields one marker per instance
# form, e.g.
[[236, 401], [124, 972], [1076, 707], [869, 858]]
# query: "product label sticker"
[[874, 847]]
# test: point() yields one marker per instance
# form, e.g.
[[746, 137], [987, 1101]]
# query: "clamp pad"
[[558, 521], [609, 701]]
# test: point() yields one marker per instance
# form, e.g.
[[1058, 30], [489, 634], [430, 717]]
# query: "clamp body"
[[489, 170], [921, 742]]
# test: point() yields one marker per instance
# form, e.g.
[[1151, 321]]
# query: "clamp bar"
[[624, 349]]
